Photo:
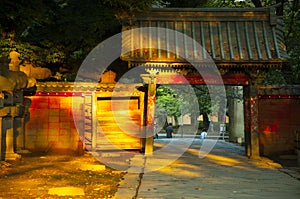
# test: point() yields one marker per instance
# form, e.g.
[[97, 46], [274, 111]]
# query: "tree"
[[184, 3], [129, 7], [177, 100], [60, 33], [166, 103], [292, 39]]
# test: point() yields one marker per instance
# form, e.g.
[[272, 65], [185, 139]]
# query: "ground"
[[33, 176]]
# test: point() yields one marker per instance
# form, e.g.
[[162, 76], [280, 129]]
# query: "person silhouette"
[[169, 131]]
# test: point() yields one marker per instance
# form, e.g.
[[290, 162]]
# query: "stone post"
[[9, 153]]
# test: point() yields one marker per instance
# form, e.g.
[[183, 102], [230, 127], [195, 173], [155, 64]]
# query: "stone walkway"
[[224, 173]]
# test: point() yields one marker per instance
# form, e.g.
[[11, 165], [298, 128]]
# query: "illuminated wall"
[[278, 121], [51, 125]]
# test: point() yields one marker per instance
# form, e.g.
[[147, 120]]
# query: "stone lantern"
[[12, 109]]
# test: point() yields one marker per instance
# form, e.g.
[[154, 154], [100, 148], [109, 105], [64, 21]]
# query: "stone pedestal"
[[8, 152]]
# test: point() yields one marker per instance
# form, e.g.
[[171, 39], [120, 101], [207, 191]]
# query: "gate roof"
[[232, 37]]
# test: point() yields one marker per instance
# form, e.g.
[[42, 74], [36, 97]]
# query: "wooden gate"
[[114, 122], [119, 123]]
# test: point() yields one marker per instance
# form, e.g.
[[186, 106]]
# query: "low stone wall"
[[279, 116], [51, 125]]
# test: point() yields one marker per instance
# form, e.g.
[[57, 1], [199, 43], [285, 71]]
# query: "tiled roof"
[[230, 36], [53, 87]]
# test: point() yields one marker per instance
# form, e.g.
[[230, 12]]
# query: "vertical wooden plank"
[[141, 40], [185, 35], [212, 43], [221, 40], [150, 40], [131, 42], [94, 121], [1, 131], [168, 39], [195, 55], [266, 41], [203, 40], [237, 29], [257, 41], [275, 42], [81, 124], [158, 40], [229, 41], [176, 29], [248, 41]]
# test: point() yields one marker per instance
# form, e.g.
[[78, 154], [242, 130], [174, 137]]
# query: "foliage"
[[292, 39], [203, 98], [54, 33], [129, 7], [166, 102], [273, 76], [176, 100], [183, 3], [228, 4]]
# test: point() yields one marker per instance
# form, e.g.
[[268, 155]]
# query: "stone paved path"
[[224, 173]]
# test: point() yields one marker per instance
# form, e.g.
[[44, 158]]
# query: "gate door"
[[119, 123]]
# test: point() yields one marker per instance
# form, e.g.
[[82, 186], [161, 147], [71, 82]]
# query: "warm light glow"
[[223, 160], [180, 168], [267, 129]]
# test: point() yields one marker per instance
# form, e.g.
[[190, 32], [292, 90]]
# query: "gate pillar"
[[251, 119], [150, 99]]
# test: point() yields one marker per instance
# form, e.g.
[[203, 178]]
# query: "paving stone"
[[66, 191], [224, 173], [92, 167]]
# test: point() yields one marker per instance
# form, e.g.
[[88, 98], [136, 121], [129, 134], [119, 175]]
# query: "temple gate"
[[241, 42]]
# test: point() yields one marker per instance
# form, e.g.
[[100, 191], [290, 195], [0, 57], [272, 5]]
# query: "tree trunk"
[[257, 3], [279, 9], [205, 120]]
